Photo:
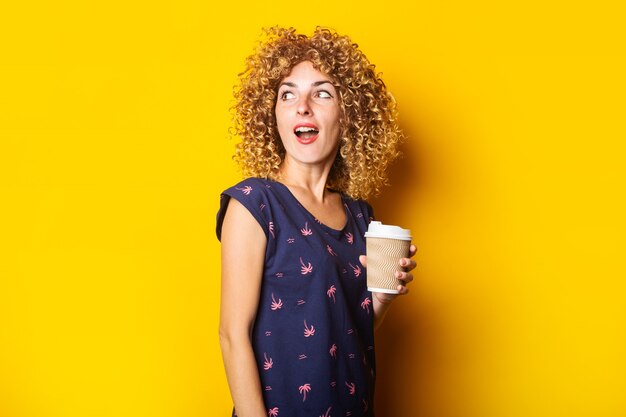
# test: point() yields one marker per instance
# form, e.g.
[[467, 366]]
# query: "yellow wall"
[[113, 151]]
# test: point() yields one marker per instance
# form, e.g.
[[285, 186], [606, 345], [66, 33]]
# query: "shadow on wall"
[[408, 342]]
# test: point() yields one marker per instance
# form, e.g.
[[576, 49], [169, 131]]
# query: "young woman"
[[318, 131]]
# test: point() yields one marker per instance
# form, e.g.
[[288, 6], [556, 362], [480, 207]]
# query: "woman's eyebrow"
[[315, 84]]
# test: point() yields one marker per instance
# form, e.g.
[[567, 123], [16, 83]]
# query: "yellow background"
[[114, 149]]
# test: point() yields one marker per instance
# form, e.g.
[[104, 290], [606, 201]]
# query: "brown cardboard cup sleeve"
[[385, 245]]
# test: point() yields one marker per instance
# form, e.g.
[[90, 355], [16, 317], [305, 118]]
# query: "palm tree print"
[[305, 230], [350, 238], [303, 390], [327, 413], [271, 228], [272, 412], [365, 305], [305, 269], [330, 250], [276, 305], [246, 190], [351, 387], [331, 293], [308, 331], [267, 365], [355, 269], [333, 350]]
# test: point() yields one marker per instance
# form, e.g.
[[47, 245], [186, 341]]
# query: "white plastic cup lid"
[[377, 229]]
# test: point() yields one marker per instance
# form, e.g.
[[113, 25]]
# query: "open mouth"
[[306, 132]]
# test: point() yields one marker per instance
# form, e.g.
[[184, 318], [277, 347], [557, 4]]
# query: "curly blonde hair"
[[370, 135]]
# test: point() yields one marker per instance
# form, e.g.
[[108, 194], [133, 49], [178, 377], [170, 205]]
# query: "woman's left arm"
[[382, 301]]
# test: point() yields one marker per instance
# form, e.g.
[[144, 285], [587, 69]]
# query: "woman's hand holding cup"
[[405, 276], [389, 253]]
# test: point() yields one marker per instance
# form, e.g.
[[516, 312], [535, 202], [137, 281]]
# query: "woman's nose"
[[304, 109]]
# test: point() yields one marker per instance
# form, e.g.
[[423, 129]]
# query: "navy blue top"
[[313, 336]]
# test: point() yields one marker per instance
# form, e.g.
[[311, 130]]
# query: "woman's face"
[[307, 116]]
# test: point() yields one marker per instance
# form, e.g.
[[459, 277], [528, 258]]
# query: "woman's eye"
[[286, 95], [324, 94]]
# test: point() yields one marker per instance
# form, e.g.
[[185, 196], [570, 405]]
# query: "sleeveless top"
[[313, 336]]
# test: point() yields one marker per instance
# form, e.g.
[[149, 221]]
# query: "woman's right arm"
[[243, 255]]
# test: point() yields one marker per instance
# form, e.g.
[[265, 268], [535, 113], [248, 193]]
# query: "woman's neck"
[[306, 178]]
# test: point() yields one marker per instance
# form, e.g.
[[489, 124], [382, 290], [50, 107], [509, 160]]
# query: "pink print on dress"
[[268, 333], [351, 355], [300, 302], [276, 305], [365, 305], [305, 230], [330, 250], [302, 356], [333, 351], [279, 275], [351, 388], [272, 412], [331, 293], [327, 413], [333, 384], [350, 238], [355, 269], [360, 215], [304, 389], [262, 206], [268, 388], [305, 269], [291, 240], [308, 331], [271, 227], [268, 363], [246, 190]]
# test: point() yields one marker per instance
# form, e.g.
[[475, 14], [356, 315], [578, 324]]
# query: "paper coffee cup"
[[385, 245]]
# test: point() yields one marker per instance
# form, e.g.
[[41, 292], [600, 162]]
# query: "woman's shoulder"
[[254, 189], [253, 194], [257, 192], [249, 184]]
